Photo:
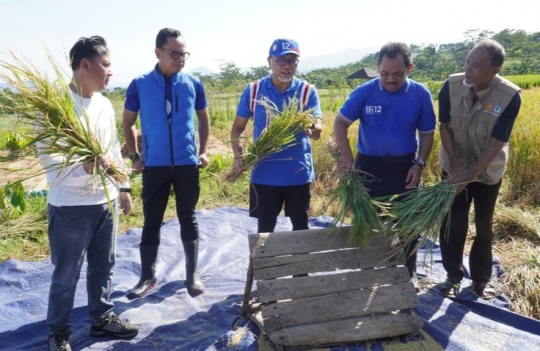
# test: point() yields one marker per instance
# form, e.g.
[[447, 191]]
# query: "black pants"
[[453, 242], [387, 176], [266, 202], [157, 183]]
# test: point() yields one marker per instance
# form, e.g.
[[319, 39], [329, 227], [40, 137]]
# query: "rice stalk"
[[512, 222], [421, 212], [280, 134], [356, 205], [48, 107]]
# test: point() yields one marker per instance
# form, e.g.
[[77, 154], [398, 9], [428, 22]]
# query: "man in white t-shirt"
[[80, 219]]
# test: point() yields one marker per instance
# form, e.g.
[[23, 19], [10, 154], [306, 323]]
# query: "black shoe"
[[59, 340], [141, 289], [449, 288], [112, 325], [478, 289]]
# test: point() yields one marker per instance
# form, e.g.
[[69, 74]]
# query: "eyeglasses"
[[176, 55], [282, 62]]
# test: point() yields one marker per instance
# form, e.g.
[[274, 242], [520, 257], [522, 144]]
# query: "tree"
[[256, 73]]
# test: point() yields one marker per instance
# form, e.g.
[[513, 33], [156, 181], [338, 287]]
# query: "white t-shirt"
[[73, 186]]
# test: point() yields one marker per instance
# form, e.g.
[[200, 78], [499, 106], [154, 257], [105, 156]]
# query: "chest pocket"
[[485, 124], [459, 115]]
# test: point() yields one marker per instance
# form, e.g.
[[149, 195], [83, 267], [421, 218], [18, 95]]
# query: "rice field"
[[520, 192]]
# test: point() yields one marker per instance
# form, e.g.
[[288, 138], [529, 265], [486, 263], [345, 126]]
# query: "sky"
[[242, 31]]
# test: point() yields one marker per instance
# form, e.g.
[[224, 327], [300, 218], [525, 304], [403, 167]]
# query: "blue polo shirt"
[[294, 165], [389, 120]]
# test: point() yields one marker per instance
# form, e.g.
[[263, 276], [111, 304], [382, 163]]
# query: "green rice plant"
[[48, 107], [280, 134], [421, 212], [355, 204], [12, 201]]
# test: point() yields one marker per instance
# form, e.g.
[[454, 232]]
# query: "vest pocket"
[[484, 125]]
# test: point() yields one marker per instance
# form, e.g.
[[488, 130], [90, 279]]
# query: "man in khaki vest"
[[477, 110]]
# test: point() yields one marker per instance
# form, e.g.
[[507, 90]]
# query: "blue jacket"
[[167, 141]]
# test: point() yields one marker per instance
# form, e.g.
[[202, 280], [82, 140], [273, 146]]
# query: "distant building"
[[364, 73]]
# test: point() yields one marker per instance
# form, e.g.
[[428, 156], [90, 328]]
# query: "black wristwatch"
[[134, 156], [125, 190], [420, 162]]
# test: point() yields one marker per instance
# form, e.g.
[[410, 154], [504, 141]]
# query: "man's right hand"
[[102, 162], [345, 163], [138, 165], [238, 165]]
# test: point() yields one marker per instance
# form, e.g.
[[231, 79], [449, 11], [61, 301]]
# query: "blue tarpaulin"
[[171, 320]]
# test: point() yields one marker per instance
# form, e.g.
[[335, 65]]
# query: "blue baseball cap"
[[282, 47]]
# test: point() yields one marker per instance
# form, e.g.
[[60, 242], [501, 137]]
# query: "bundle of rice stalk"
[[513, 222], [48, 106], [356, 206], [280, 134], [421, 212]]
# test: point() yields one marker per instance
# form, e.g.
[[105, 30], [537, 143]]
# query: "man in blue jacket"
[[283, 178], [168, 101]]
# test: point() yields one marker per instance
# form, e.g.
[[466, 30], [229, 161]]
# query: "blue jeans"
[[76, 231]]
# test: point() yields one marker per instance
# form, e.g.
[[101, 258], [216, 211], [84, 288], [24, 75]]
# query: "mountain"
[[335, 59]]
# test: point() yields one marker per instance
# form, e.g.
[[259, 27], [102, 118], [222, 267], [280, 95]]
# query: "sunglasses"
[[282, 62], [176, 55]]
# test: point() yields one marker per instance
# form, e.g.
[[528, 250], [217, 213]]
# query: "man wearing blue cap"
[[283, 178]]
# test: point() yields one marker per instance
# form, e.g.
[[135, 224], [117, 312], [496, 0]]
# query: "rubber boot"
[[148, 272], [194, 284]]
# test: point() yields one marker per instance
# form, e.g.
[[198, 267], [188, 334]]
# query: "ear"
[[269, 64], [158, 53], [85, 64], [496, 70], [409, 67]]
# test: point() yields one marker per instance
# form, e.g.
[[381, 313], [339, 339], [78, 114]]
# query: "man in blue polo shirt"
[[283, 178], [168, 101], [391, 110]]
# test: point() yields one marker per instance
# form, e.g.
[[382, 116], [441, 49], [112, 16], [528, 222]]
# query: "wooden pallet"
[[372, 298]]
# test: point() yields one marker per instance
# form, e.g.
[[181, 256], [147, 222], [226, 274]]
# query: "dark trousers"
[[266, 202], [453, 242], [387, 176], [157, 182]]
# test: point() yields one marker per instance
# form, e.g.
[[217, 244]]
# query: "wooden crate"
[[370, 299]]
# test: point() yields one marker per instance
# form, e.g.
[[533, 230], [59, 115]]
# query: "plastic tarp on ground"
[[171, 320]]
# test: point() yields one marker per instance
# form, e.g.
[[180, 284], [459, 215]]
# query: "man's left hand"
[[413, 176], [125, 202], [203, 160]]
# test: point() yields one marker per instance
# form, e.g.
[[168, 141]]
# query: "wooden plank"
[[298, 288], [304, 241], [349, 304], [281, 266], [348, 330]]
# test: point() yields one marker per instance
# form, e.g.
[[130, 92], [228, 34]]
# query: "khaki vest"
[[472, 127]]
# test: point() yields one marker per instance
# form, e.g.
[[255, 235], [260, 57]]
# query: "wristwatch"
[[420, 162], [134, 156]]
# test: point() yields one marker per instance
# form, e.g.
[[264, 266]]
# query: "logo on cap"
[[282, 47]]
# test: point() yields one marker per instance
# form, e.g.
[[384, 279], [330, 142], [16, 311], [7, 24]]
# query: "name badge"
[[373, 110]]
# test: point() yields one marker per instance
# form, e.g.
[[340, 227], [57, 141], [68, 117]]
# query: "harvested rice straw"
[[422, 212], [356, 204], [280, 134], [49, 108]]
